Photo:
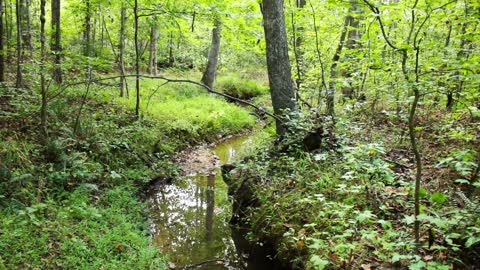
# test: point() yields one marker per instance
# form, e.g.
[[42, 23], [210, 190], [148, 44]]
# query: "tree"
[[152, 65], [56, 40], [43, 88], [278, 61], [137, 60], [19, 81], [121, 61], [87, 31], [210, 71], [2, 49]]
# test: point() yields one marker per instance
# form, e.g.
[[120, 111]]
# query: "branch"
[[375, 10]]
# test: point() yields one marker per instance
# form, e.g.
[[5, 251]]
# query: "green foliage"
[[242, 88], [85, 230]]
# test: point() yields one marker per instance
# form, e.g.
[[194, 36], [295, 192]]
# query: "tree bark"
[[43, 89], [123, 19], [137, 61], [152, 66], [211, 69], [333, 68], [87, 30], [278, 61], [56, 41], [297, 45], [2, 47], [27, 35], [19, 80]]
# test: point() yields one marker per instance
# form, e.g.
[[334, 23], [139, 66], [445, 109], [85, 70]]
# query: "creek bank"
[[243, 191]]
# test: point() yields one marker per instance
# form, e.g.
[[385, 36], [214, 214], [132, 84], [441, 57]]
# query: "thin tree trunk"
[[297, 45], [87, 30], [56, 41], [413, 141], [19, 81], [137, 61], [2, 47], [152, 66], [123, 18], [43, 89], [278, 61], [333, 68], [171, 58], [208, 77]]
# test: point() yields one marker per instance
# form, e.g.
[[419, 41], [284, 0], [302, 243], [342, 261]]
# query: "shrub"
[[241, 88]]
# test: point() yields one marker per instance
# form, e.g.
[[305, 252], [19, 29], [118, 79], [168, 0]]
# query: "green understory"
[[73, 201], [352, 207]]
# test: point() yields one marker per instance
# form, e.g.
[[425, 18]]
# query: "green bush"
[[241, 87]]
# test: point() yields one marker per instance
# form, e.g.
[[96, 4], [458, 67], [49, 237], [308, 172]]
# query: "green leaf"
[[472, 240], [439, 197], [409, 219], [318, 263], [417, 265]]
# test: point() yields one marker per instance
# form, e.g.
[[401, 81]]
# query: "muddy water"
[[191, 216]]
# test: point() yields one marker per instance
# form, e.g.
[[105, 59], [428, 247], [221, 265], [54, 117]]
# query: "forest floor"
[[73, 202], [352, 207]]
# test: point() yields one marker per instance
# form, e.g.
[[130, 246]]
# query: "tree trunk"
[[19, 81], [137, 61], [297, 46], [87, 30], [278, 61], [333, 68], [56, 41], [2, 52], [43, 89], [208, 77], [171, 58], [26, 27], [152, 66], [123, 81]]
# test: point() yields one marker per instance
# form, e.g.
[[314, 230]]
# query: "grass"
[[240, 87], [73, 203]]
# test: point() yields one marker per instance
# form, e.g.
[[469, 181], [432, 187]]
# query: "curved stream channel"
[[191, 215]]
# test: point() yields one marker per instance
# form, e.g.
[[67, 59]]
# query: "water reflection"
[[190, 221]]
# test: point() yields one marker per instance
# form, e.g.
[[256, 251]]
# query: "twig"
[[195, 265]]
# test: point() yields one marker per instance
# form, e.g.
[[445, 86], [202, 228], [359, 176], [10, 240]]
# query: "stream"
[[190, 217]]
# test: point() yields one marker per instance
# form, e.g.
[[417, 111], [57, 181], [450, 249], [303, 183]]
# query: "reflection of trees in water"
[[210, 206]]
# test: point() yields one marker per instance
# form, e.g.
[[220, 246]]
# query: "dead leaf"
[[428, 258], [366, 266]]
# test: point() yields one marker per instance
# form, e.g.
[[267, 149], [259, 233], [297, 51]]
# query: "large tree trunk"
[[56, 41], [2, 49], [152, 63], [123, 80], [19, 80], [278, 61], [208, 77], [26, 27]]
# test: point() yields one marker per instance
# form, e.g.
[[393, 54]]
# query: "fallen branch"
[[168, 80], [195, 265]]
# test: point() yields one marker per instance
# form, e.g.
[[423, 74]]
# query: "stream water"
[[191, 219]]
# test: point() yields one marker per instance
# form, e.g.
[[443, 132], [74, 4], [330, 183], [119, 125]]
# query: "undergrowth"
[[71, 201], [352, 207]]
